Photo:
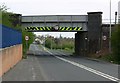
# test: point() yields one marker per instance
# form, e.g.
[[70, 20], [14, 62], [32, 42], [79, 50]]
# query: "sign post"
[[26, 38]]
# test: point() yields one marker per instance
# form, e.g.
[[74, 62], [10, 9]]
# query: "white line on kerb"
[[89, 69]]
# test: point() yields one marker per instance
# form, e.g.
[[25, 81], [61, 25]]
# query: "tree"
[[3, 8], [9, 19], [31, 39], [48, 43], [12, 20]]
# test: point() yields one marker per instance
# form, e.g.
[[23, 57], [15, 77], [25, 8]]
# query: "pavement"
[[51, 65]]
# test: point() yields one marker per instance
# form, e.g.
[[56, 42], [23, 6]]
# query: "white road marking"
[[34, 75], [88, 69], [42, 72], [48, 51], [33, 71]]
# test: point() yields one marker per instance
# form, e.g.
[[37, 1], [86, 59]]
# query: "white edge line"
[[89, 69]]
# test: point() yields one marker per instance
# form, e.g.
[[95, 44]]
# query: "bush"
[[115, 41], [31, 39]]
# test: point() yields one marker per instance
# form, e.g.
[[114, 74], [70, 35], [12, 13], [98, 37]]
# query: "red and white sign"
[[104, 37], [26, 38]]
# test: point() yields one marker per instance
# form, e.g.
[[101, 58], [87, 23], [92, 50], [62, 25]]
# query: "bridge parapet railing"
[[56, 18]]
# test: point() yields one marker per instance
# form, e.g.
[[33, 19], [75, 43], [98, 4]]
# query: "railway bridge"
[[88, 27]]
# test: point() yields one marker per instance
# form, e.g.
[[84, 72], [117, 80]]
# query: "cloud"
[[12, 1]]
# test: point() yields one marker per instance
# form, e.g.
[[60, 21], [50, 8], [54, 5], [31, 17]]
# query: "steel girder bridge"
[[88, 28]]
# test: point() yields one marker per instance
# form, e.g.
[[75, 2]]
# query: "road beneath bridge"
[[52, 65]]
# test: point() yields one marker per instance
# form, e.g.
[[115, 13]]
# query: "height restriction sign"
[[26, 38]]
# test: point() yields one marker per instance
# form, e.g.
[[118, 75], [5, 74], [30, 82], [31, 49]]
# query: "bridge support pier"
[[90, 42], [81, 43]]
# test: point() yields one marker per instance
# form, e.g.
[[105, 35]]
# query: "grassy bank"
[[109, 58]]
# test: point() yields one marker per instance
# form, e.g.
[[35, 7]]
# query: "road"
[[51, 65]]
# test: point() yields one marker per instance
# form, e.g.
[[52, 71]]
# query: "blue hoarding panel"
[[0, 36], [10, 36]]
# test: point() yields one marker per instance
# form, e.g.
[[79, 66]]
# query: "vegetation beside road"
[[116, 44], [114, 57], [7, 18], [12, 20], [25, 43], [65, 44]]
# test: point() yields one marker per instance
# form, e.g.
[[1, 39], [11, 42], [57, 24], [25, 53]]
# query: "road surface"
[[51, 65]]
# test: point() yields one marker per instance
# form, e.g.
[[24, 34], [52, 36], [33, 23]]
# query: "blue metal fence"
[[0, 35], [10, 37]]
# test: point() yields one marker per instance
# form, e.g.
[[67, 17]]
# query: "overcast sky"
[[61, 7]]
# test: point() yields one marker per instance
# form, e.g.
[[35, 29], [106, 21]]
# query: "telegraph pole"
[[110, 30]]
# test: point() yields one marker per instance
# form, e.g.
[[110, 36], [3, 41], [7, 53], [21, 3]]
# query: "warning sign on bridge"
[[53, 29]]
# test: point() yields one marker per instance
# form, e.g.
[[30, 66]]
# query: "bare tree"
[[3, 8]]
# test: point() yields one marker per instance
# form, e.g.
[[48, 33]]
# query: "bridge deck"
[[55, 22]]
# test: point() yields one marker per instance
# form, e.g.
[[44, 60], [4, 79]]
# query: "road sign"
[[26, 38], [104, 37]]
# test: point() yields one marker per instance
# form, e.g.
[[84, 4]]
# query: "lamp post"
[[115, 17], [60, 41], [44, 41], [51, 42]]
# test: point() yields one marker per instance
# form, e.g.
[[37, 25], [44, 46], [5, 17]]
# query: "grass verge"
[[109, 58]]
